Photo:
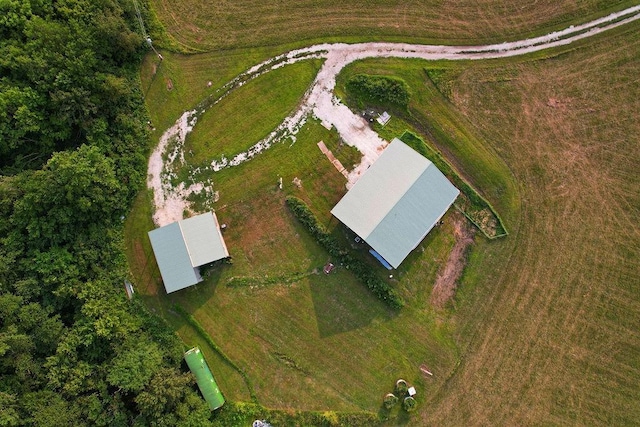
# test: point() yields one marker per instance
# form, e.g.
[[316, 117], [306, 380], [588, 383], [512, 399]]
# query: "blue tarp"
[[379, 258]]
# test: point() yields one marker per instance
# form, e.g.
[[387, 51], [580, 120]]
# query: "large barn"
[[181, 247], [396, 202]]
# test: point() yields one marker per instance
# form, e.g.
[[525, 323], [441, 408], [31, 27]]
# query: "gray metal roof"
[[396, 202], [203, 238], [182, 246]]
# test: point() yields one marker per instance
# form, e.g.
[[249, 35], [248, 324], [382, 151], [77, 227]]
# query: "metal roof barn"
[[396, 202], [181, 247], [204, 378]]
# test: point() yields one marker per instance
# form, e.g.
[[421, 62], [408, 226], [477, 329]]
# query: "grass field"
[[272, 311], [207, 25], [317, 335], [550, 326], [255, 110], [545, 327]]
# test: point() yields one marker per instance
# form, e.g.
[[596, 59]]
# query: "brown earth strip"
[[446, 282]]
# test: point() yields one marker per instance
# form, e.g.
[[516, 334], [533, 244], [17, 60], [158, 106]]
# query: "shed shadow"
[[196, 296], [343, 305]]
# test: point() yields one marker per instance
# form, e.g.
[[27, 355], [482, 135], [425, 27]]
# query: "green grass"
[[544, 328], [274, 332], [189, 76], [196, 25], [250, 113], [347, 155]]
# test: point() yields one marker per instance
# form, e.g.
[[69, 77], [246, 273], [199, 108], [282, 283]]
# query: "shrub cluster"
[[379, 287], [379, 90]]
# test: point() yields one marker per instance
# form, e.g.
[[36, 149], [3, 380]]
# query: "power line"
[[144, 31]]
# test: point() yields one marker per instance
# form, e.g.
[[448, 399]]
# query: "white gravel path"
[[170, 201]]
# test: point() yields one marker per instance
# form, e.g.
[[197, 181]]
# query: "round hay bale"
[[409, 404], [390, 400], [401, 387]]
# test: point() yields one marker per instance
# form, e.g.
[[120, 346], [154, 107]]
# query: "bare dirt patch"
[[446, 282]]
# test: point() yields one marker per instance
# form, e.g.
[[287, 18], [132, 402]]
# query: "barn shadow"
[[341, 305]]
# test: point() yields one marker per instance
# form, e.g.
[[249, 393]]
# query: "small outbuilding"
[[183, 246], [396, 202]]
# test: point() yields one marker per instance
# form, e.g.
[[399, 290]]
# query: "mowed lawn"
[[205, 25], [250, 112], [545, 325], [551, 327], [306, 340]]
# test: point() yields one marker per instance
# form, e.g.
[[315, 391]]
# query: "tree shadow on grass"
[[341, 304]]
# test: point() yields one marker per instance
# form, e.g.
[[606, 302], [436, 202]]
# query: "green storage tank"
[[204, 378]]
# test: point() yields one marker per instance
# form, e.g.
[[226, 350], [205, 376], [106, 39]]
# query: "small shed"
[[183, 246], [204, 378]]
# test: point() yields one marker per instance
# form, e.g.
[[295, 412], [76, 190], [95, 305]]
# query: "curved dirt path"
[[170, 201]]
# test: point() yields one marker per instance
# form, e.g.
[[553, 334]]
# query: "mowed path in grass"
[[554, 328], [207, 25]]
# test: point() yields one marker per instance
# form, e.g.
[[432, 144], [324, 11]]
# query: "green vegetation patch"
[[249, 113], [383, 91]]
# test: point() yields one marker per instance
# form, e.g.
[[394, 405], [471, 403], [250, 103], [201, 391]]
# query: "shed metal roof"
[[182, 246], [396, 202]]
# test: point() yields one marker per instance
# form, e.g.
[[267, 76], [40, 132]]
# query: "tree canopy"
[[73, 144]]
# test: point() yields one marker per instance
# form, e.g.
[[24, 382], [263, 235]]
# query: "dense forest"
[[73, 147]]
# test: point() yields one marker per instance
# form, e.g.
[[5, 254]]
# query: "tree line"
[[73, 149]]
